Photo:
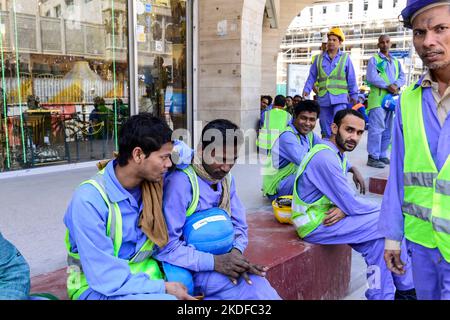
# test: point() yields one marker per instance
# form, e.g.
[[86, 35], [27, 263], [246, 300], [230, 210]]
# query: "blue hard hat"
[[389, 102], [210, 231], [413, 6]]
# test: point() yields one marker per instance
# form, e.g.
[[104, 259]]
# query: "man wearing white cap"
[[416, 204]]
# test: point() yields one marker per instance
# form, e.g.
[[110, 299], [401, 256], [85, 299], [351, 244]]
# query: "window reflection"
[[64, 88], [161, 36]]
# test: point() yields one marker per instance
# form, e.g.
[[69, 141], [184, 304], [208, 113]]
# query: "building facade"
[[74, 70], [362, 21]]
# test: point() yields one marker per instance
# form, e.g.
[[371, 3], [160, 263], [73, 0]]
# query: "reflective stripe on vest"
[[377, 95], [426, 200], [441, 210], [275, 122], [140, 262], [336, 82], [273, 176], [193, 179], [308, 216]]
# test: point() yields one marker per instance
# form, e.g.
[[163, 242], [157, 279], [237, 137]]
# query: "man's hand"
[[393, 261], [305, 95], [178, 290], [358, 180], [254, 269], [231, 264], [393, 88], [334, 215]]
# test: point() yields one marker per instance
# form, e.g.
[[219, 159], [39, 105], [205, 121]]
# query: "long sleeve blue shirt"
[[288, 148], [86, 219], [323, 176], [176, 200], [328, 66], [374, 78], [391, 223]]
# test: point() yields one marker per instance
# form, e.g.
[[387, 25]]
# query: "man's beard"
[[341, 143], [438, 65]]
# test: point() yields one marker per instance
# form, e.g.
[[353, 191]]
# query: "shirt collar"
[[424, 81], [332, 145], [116, 192], [382, 56], [339, 53]]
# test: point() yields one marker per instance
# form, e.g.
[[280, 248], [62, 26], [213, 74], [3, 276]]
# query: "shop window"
[[65, 94]]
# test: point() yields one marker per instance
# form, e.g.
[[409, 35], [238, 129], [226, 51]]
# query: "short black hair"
[[227, 129], [306, 105], [280, 101], [270, 99], [297, 96], [343, 113], [287, 97], [144, 131]]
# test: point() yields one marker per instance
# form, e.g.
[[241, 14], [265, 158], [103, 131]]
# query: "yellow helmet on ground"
[[282, 209], [336, 31]]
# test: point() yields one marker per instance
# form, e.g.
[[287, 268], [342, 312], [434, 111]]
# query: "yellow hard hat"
[[282, 209], [336, 31]]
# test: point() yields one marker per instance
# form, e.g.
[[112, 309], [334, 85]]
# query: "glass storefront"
[[65, 78], [161, 37]]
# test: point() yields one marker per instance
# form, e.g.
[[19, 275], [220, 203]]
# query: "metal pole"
[[132, 59]]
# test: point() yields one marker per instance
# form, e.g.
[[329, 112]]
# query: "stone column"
[[229, 60]]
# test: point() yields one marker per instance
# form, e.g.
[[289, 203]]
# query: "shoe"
[[405, 295], [375, 163], [385, 160]]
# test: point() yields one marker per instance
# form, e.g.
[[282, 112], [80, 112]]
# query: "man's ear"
[[334, 128], [138, 155]]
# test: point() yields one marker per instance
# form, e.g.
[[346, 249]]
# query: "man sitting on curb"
[[325, 209], [115, 219], [220, 269], [289, 150], [14, 272]]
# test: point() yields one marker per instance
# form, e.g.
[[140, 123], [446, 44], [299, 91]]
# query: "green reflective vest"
[[426, 202], [306, 217], [142, 261], [273, 176], [193, 179], [336, 82], [275, 122], [377, 95]]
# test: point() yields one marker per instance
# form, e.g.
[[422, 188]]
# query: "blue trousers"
[[361, 233], [94, 295], [286, 187], [327, 114], [216, 286], [380, 131], [431, 272]]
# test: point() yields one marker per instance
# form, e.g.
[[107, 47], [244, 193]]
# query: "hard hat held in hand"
[[389, 102]]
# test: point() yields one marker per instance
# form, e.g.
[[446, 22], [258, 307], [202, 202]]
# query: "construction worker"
[[416, 203], [115, 220], [334, 72], [275, 121], [385, 76], [326, 210], [289, 149], [206, 185]]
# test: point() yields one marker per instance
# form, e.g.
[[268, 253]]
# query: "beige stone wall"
[[237, 56]]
